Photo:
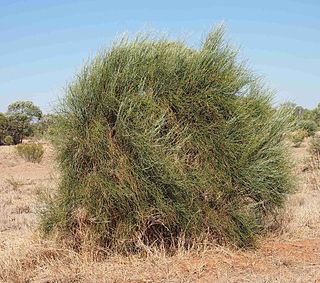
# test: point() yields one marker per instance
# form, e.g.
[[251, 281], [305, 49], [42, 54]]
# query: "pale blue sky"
[[43, 43]]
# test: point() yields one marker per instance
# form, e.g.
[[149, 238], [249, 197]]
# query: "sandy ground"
[[20, 181], [291, 254]]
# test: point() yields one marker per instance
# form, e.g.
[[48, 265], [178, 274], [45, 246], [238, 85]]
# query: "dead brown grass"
[[303, 207], [289, 254]]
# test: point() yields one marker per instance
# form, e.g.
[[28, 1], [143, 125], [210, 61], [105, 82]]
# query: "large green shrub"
[[156, 140]]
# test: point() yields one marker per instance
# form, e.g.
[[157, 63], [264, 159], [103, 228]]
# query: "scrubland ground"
[[290, 252]]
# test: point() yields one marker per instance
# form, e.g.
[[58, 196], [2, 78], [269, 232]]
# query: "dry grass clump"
[[8, 140], [315, 161], [32, 152], [315, 145], [157, 140], [45, 261], [297, 137], [42, 262], [302, 215]]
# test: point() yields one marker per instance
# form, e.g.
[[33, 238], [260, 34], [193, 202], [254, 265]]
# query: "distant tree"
[[20, 117], [18, 126], [25, 108], [3, 127]]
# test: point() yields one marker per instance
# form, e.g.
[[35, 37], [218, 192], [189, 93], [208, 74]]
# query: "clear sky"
[[43, 43]]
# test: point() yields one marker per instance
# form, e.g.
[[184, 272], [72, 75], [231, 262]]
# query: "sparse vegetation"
[[309, 126], [14, 183], [315, 145], [157, 141], [31, 152], [314, 162]]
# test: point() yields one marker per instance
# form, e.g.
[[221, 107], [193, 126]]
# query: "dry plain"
[[289, 252]]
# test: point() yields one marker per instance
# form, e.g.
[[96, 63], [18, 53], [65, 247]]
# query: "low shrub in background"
[[308, 125], [8, 140], [157, 140], [297, 137], [31, 152]]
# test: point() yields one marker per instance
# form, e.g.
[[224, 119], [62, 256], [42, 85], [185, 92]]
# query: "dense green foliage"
[[32, 152], [25, 108], [19, 120], [157, 140]]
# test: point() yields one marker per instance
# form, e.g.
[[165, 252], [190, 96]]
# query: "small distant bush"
[[315, 145], [308, 125], [8, 140], [297, 137], [31, 152]]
